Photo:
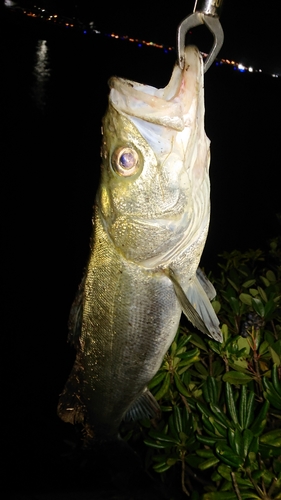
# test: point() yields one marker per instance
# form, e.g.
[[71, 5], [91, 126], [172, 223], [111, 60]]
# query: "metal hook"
[[204, 12]]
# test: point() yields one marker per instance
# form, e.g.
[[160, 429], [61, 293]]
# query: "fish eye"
[[125, 161]]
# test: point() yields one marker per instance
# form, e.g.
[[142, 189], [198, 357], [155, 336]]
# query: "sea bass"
[[150, 223]]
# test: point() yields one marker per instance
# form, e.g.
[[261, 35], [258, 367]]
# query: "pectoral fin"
[[197, 307], [206, 284], [145, 406]]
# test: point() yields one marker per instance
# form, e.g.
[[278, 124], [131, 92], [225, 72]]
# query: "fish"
[[150, 223]]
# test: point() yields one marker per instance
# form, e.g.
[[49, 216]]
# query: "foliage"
[[220, 430]]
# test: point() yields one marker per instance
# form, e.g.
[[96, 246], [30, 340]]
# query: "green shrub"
[[220, 430]]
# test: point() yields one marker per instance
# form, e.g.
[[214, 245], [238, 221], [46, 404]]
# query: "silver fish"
[[150, 223]]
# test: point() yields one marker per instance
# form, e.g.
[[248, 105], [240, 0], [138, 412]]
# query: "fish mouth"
[[168, 106]]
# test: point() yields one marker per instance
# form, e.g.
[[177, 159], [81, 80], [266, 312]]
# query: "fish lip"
[[166, 106]]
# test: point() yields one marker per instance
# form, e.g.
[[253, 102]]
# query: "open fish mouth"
[[168, 106], [170, 119]]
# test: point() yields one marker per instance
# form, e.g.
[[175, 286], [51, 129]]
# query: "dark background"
[[251, 27], [50, 168]]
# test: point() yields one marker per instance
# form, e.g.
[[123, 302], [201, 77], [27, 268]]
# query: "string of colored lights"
[[76, 24]]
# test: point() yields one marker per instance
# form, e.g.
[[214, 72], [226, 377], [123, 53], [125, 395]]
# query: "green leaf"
[[268, 476], [208, 440], [177, 419], [210, 462], [260, 421], [172, 429], [193, 460], [157, 379], [272, 438], [180, 386], [220, 415], [246, 298], [269, 337], [164, 388], [248, 283], [183, 340], [270, 276], [268, 451], [197, 340], [250, 409], [224, 331], [234, 377], [230, 402], [173, 348], [265, 281], [156, 444], [243, 407], [263, 348], [220, 429], [216, 495], [188, 356], [233, 284], [277, 466], [212, 389], [275, 379], [253, 448], [204, 409], [277, 345], [187, 421], [275, 358], [172, 461], [201, 369], [216, 306], [258, 307], [160, 436], [218, 367], [161, 468], [215, 476], [231, 438], [272, 394], [269, 309], [225, 471], [225, 453], [235, 306], [238, 443], [239, 365], [204, 453], [215, 346], [262, 294], [248, 437], [244, 344]]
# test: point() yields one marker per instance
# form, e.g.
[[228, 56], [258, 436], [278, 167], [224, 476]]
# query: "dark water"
[[53, 97]]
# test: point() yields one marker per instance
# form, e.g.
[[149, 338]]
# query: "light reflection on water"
[[41, 73]]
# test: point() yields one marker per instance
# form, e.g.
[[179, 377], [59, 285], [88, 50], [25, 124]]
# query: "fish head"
[[154, 190]]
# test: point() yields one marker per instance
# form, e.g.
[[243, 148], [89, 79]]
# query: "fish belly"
[[130, 317]]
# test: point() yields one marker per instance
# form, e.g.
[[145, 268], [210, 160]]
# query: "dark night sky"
[[251, 28]]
